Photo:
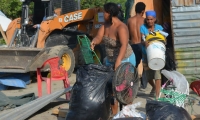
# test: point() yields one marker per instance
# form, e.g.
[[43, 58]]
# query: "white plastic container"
[[156, 55]]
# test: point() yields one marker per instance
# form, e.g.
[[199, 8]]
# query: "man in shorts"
[[134, 24]]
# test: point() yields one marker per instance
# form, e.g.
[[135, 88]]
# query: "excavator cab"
[[45, 8], [39, 12], [42, 9]]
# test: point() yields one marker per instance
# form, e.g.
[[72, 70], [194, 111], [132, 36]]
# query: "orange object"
[[15, 24], [56, 73], [88, 20], [57, 11], [62, 23], [195, 117]]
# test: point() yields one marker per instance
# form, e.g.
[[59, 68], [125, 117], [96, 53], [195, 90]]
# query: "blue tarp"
[[14, 80]]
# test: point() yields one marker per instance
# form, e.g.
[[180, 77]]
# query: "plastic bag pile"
[[129, 111]]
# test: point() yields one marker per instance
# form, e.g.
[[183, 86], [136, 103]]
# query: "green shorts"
[[152, 74]]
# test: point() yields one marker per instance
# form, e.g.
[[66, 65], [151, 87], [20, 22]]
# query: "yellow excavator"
[[59, 21]]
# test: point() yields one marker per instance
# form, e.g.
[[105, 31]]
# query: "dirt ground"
[[46, 112]]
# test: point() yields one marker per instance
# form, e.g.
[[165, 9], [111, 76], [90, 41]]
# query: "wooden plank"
[[3, 34], [60, 112], [195, 117], [55, 111], [63, 113]]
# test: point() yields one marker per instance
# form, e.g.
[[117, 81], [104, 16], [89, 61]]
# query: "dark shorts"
[[137, 49]]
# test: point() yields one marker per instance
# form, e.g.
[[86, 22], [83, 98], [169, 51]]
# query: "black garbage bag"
[[157, 110], [90, 98]]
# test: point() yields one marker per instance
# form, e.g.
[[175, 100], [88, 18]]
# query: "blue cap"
[[151, 13]]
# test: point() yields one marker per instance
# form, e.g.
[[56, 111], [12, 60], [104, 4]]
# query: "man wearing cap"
[[150, 26]]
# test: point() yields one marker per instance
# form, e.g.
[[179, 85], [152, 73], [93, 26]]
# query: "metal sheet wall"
[[186, 26], [188, 62], [186, 33]]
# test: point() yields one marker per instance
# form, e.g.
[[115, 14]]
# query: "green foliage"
[[92, 3], [99, 3], [12, 8], [2, 41]]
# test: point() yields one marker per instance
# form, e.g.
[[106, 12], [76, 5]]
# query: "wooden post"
[[4, 35]]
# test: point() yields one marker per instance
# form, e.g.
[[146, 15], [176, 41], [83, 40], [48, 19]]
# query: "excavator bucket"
[[26, 59], [16, 60]]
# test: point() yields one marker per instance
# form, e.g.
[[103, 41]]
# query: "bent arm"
[[123, 38], [98, 38]]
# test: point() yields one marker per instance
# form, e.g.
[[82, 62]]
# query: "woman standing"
[[150, 26], [115, 35]]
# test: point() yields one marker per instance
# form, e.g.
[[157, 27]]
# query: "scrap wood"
[[195, 117], [60, 112]]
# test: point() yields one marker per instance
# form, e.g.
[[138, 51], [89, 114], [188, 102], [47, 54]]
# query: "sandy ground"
[[46, 112]]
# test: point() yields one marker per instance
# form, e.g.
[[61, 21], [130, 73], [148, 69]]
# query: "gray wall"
[[186, 33]]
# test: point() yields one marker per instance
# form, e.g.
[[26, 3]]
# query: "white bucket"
[[156, 55]]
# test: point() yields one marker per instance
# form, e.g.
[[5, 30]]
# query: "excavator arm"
[[15, 24]]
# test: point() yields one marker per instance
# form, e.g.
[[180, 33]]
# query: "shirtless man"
[[134, 24]]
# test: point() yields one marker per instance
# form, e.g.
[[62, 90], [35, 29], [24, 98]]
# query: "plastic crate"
[[173, 97], [87, 53]]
